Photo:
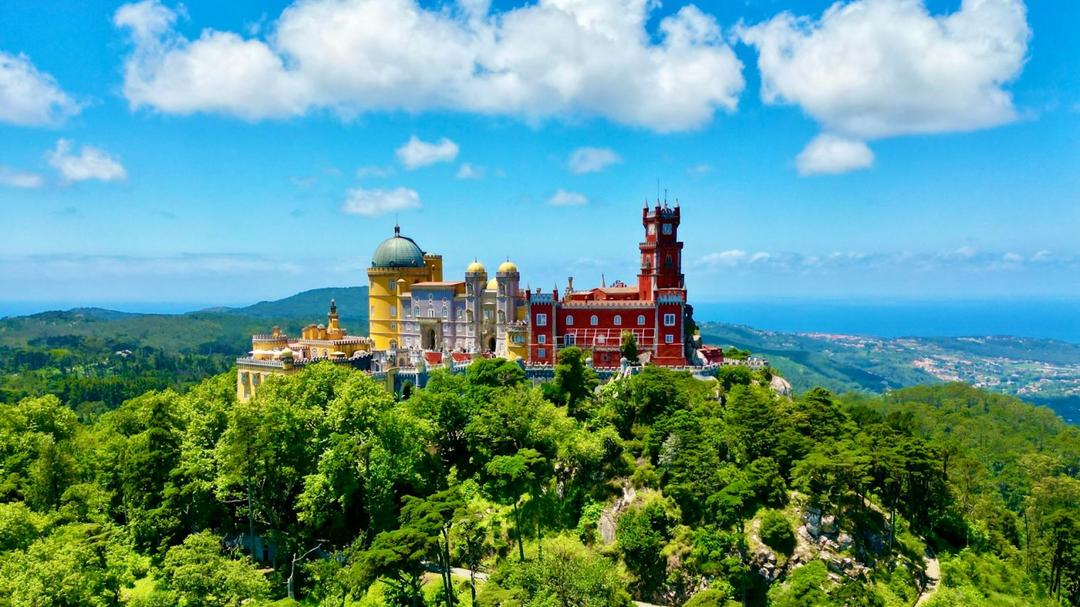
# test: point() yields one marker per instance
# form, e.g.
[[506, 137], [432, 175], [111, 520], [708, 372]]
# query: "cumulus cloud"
[[733, 257], [868, 69], [555, 58], [470, 171], [831, 154], [14, 178], [29, 97], [416, 153], [591, 160], [562, 198], [88, 163], [372, 203]]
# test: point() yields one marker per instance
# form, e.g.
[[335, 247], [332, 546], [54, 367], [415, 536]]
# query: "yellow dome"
[[475, 267], [507, 266], [493, 285]]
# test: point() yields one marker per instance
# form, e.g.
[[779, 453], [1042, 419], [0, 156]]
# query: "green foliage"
[[628, 347], [776, 532], [642, 532], [198, 573], [568, 574]]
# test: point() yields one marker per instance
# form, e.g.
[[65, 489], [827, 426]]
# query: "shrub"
[[776, 532]]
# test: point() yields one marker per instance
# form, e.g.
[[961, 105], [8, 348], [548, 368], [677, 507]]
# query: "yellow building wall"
[[384, 325]]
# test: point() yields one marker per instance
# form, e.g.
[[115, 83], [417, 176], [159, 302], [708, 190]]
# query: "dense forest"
[[485, 489]]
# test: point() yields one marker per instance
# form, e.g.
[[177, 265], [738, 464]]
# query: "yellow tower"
[[397, 264]]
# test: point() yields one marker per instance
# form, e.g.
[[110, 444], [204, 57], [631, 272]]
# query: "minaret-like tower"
[[661, 251]]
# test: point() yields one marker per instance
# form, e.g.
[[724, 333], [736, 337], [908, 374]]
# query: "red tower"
[[661, 252]]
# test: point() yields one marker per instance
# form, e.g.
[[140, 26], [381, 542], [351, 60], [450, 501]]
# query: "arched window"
[[445, 311], [570, 320], [469, 316], [594, 320], [393, 344], [618, 320], [502, 317], [641, 320]]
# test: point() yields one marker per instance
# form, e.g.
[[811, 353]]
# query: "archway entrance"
[[491, 344], [428, 339]]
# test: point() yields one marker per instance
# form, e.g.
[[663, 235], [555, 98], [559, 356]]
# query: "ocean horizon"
[[1041, 318]]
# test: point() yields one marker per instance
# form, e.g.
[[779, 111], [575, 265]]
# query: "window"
[[667, 261], [502, 317], [431, 312], [393, 312], [669, 339], [541, 353], [541, 320], [618, 320], [569, 320], [541, 339], [416, 311], [667, 228], [570, 339], [445, 311], [641, 320], [393, 326], [669, 320], [593, 320], [652, 228]]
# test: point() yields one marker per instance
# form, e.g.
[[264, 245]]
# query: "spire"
[[603, 281], [397, 229], [333, 307]]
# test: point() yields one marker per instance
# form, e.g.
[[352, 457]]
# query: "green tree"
[[569, 574], [513, 477], [776, 532], [628, 347], [641, 534], [199, 573], [574, 381]]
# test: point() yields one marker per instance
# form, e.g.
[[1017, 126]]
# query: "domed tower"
[[507, 280], [475, 283], [398, 258]]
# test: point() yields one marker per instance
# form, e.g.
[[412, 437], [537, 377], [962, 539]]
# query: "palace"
[[418, 319], [654, 311]]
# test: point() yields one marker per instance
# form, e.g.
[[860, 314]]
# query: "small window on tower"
[[669, 320], [541, 320], [652, 229], [541, 353], [541, 339], [667, 229], [667, 261], [669, 339]]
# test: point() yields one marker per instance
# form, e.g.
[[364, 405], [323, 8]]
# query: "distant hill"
[[1044, 371], [351, 301]]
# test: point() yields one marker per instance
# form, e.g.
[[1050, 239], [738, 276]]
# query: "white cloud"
[[831, 154], [372, 203], [88, 163], [562, 198], [29, 97], [592, 160], [470, 171], [416, 153], [373, 171], [13, 178], [701, 168], [868, 69], [734, 257], [555, 58]]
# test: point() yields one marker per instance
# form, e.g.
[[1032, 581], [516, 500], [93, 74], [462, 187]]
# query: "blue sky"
[[217, 152]]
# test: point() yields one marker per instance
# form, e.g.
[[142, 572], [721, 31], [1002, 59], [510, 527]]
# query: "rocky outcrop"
[[610, 516]]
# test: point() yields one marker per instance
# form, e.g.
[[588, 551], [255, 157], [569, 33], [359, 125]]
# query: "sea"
[[1045, 318]]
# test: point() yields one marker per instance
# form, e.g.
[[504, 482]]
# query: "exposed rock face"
[[780, 385], [610, 516]]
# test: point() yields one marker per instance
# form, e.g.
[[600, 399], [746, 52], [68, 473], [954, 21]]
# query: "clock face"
[[667, 228]]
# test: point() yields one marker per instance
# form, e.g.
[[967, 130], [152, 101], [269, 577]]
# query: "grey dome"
[[398, 252]]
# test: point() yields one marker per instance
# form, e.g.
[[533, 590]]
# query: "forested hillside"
[[95, 359], [483, 489]]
